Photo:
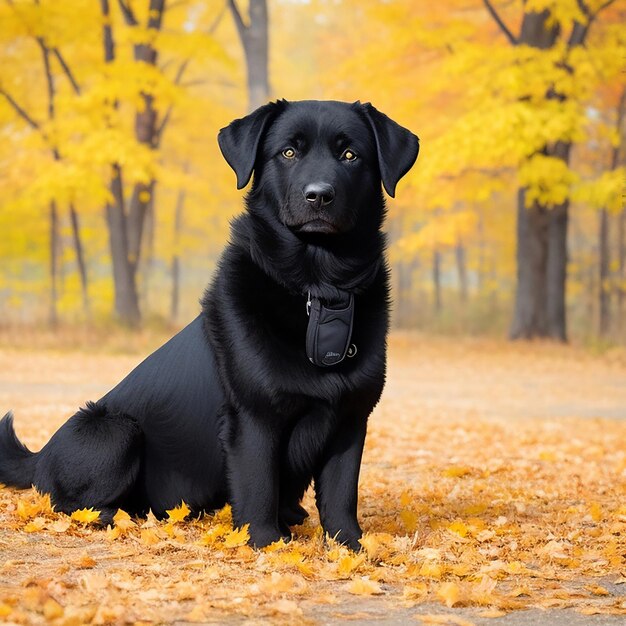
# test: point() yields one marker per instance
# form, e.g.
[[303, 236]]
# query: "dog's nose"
[[319, 194]]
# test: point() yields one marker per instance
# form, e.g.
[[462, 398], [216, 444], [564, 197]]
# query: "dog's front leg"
[[252, 462], [336, 483]]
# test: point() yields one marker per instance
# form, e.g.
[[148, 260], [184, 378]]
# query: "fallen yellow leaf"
[[349, 563], [409, 519], [36, 525], [456, 471], [85, 516], [363, 587], [458, 528], [237, 537], [179, 513]]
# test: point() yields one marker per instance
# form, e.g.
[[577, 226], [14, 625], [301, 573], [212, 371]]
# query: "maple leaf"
[[113, 533], [409, 519], [237, 537], [149, 536], [293, 558], [348, 563], [210, 537], [275, 546], [35, 526], [375, 543], [29, 507], [458, 528], [224, 515], [363, 587], [123, 521], [85, 561], [85, 516], [179, 513]]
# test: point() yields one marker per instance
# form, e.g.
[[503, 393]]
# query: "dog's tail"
[[17, 462]]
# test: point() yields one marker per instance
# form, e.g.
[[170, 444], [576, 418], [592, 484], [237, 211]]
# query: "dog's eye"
[[289, 153], [349, 155]]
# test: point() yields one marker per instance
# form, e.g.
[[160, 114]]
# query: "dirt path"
[[494, 480]]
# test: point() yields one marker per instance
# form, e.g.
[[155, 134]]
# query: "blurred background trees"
[[115, 200]]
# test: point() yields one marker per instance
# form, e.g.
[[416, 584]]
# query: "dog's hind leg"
[[93, 460]]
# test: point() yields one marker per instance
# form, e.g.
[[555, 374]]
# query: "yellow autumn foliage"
[[478, 104]]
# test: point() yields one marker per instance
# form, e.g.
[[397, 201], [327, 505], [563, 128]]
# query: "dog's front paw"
[[261, 536], [347, 535]]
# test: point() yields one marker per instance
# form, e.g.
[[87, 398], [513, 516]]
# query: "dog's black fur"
[[231, 409]]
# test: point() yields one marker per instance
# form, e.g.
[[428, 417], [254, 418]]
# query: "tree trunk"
[[621, 255], [53, 315], [124, 276], [437, 281], [530, 315], [256, 47], [255, 41], [604, 301], [178, 225], [556, 272], [126, 226], [124, 283], [403, 308], [616, 158], [541, 231], [80, 259], [461, 268], [493, 292], [146, 262], [146, 132]]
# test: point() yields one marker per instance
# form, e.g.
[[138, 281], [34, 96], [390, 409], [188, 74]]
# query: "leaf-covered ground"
[[494, 480]]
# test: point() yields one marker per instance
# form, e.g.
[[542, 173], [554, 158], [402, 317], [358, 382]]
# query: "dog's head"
[[319, 165]]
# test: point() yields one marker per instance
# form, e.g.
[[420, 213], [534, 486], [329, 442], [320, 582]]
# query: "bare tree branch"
[[107, 32], [580, 31], [503, 27], [621, 106], [20, 110], [218, 18], [127, 11], [168, 113], [45, 52], [584, 8], [241, 27], [67, 70], [601, 8]]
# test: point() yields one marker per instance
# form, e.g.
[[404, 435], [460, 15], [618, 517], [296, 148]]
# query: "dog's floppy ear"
[[397, 147], [239, 141]]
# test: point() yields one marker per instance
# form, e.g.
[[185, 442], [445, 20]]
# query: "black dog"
[[254, 399]]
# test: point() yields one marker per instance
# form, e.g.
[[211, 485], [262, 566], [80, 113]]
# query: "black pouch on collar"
[[329, 332]]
